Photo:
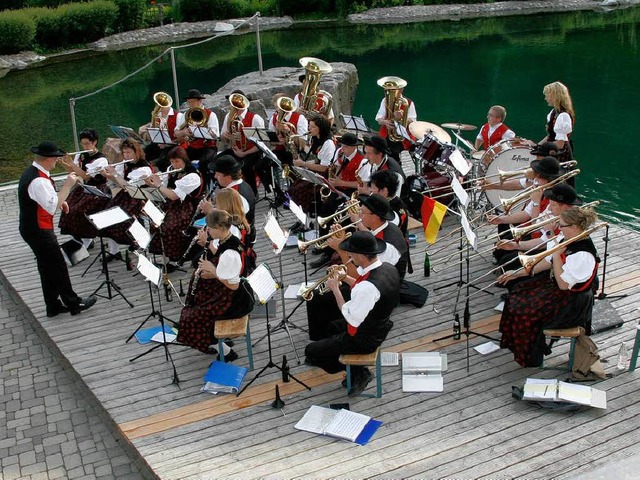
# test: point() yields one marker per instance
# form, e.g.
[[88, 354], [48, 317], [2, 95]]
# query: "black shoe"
[[229, 343], [360, 382], [317, 251], [504, 297], [297, 227], [85, 304], [323, 259], [110, 257], [56, 310], [229, 357], [344, 382]]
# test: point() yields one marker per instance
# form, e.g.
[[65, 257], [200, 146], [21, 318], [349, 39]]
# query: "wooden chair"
[[572, 333], [234, 328], [368, 359], [636, 350]]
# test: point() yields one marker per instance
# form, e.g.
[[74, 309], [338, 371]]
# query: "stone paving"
[[48, 427]]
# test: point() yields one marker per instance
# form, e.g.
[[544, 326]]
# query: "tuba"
[[238, 104], [162, 100], [314, 69], [195, 117], [395, 102]]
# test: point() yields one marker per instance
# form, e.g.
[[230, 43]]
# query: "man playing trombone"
[[356, 320]]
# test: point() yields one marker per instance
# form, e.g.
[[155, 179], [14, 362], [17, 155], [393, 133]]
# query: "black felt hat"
[[364, 243], [377, 142], [225, 164], [548, 167], [378, 205], [545, 149], [349, 139], [563, 193], [48, 149], [194, 93]]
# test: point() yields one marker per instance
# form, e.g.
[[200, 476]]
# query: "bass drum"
[[507, 155], [414, 186]]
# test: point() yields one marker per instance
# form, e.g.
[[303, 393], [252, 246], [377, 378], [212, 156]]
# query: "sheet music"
[[149, 270], [158, 135], [201, 132], [460, 192], [140, 234], [161, 336], [109, 217], [266, 150], [347, 424], [316, 419], [354, 123], [275, 233], [297, 211], [459, 162], [402, 130], [155, 214], [262, 283], [468, 231], [95, 191]]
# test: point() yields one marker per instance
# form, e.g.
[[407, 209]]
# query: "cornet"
[[339, 271], [343, 214], [321, 242]]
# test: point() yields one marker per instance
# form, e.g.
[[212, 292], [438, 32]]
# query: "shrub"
[[17, 31], [131, 15], [73, 24], [200, 10], [247, 8]]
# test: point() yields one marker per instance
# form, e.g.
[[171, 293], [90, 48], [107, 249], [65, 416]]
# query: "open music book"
[[554, 390], [342, 424]]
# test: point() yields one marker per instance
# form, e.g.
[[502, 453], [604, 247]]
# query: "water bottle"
[[427, 264], [623, 358]]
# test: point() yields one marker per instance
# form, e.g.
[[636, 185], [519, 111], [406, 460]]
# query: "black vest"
[[584, 245], [233, 243], [33, 217], [392, 235], [385, 278]]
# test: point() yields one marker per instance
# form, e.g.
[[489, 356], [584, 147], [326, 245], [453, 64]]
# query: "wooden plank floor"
[[472, 430]]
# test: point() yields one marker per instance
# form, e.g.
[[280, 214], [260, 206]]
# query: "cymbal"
[[419, 129], [459, 126]]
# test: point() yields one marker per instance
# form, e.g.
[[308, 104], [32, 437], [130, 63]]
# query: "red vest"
[[247, 121], [384, 133], [348, 172], [495, 137], [200, 142]]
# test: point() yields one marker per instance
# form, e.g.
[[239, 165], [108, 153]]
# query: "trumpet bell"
[[316, 65], [391, 83], [162, 99]]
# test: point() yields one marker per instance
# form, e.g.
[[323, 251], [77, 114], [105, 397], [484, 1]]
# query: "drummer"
[[494, 130]]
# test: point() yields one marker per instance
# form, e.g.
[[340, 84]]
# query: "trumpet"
[[343, 214], [321, 242], [339, 271]]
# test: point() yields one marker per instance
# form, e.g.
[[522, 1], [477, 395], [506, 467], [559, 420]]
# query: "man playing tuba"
[[395, 107], [311, 99], [163, 117]]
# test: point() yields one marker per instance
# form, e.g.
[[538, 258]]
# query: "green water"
[[455, 70]]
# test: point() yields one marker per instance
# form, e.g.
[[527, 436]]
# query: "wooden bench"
[[572, 333], [364, 360], [234, 328]]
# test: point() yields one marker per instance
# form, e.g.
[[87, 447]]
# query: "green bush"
[[17, 31], [200, 10], [131, 15], [73, 24], [49, 3], [247, 8]]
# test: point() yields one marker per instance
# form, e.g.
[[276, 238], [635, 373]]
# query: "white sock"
[[113, 246], [87, 241], [225, 349]]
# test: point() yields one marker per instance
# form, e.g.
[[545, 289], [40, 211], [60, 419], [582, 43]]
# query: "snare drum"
[[507, 155], [434, 153]]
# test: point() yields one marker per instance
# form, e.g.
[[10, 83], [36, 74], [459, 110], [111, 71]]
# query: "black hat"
[[302, 77], [225, 164], [377, 142], [378, 205], [48, 149], [563, 193], [364, 243], [236, 91], [548, 167], [545, 149], [349, 139], [194, 93]]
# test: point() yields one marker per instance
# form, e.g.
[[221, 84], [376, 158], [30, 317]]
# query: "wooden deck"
[[472, 430]]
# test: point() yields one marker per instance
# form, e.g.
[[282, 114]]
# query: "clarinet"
[[193, 287], [187, 253], [209, 196]]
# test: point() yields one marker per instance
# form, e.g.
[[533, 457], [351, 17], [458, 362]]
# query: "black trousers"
[[54, 274]]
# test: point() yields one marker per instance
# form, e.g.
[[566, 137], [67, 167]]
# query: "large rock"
[[341, 83]]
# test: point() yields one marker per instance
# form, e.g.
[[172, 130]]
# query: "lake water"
[[455, 71]]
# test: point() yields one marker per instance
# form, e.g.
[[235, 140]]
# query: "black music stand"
[[258, 137], [154, 276], [355, 124], [264, 299], [102, 220]]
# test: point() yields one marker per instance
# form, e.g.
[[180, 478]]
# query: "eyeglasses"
[[564, 226]]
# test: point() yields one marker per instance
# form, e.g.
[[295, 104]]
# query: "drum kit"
[[435, 170]]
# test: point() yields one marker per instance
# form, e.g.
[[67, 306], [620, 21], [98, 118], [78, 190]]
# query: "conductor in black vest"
[[358, 325], [38, 202]]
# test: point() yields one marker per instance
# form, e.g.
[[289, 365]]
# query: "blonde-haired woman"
[[560, 119]]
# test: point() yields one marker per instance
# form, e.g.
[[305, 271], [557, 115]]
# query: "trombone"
[[339, 271], [343, 214], [509, 203], [321, 242]]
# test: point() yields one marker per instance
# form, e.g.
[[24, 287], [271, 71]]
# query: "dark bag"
[[413, 294]]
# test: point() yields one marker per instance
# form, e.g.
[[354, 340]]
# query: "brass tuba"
[[314, 69], [162, 100], [395, 102], [195, 117], [238, 104]]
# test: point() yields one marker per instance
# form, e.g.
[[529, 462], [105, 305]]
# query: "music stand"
[[602, 295], [264, 286], [153, 274], [101, 220], [258, 138], [201, 132], [160, 136], [355, 124]]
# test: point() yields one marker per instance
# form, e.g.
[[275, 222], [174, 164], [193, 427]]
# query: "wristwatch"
[[535, 204]]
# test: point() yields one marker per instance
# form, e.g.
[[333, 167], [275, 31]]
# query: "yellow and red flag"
[[432, 214]]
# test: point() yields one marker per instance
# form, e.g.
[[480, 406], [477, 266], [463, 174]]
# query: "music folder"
[[422, 371], [343, 424]]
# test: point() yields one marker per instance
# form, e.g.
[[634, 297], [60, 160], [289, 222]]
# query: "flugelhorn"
[[341, 215], [530, 261], [321, 242], [321, 285]]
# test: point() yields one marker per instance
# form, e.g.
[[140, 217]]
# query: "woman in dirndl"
[[129, 176], [560, 294], [217, 290], [88, 166], [181, 188]]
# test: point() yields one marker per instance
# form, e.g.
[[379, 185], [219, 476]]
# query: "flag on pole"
[[432, 214]]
